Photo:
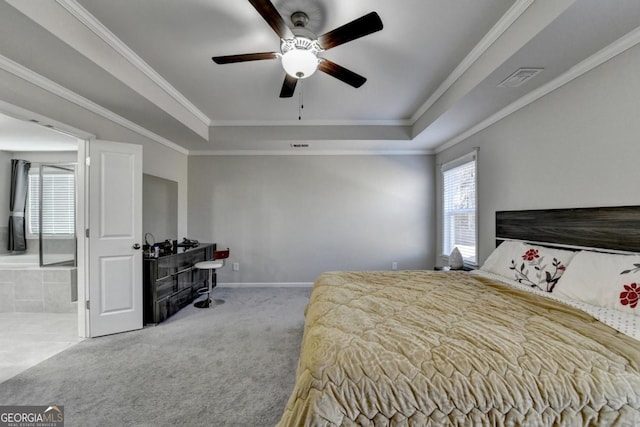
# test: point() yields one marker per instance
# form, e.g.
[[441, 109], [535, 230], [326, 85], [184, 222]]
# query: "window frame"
[[469, 262]]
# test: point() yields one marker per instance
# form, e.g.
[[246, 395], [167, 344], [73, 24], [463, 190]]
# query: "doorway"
[[38, 309], [108, 197]]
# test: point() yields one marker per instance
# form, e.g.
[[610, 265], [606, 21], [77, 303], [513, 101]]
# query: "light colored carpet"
[[233, 365]]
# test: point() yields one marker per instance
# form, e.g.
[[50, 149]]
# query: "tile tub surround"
[[48, 290]]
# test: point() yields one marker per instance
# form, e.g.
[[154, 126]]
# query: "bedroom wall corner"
[[575, 147]]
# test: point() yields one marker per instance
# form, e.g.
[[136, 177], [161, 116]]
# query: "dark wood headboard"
[[616, 228]]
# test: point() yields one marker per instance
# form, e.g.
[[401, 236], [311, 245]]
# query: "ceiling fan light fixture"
[[300, 47], [300, 63]]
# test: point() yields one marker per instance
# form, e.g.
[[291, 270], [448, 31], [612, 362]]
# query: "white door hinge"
[[88, 305], [86, 233]]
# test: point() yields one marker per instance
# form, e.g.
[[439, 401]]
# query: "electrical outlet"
[[394, 265], [236, 266]]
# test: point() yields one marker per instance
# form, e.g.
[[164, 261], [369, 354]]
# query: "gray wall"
[[578, 146], [286, 219], [159, 208]]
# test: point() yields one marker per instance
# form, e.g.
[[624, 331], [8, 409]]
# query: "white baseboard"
[[266, 285]]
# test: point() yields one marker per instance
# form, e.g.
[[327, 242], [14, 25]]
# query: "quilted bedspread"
[[422, 348]]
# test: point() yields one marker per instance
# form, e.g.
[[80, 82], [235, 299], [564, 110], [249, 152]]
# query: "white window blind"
[[58, 203], [459, 202]]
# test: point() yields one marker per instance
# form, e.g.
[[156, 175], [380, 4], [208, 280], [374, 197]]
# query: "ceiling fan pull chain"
[[300, 100]]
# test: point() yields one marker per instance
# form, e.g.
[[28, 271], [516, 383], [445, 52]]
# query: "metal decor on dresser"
[[614, 228]]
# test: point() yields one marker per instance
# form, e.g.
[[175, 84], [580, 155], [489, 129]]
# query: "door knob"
[[136, 246]]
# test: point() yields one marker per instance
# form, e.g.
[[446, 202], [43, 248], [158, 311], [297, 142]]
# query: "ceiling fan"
[[299, 47]]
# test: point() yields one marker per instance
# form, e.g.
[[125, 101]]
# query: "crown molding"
[[95, 26], [496, 31], [26, 115], [616, 48], [301, 123], [52, 87], [302, 152]]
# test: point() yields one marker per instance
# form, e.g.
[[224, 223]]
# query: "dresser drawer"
[[165, 287]]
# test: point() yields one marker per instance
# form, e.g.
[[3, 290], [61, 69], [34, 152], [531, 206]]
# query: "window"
[[460, 205], [58, 203]]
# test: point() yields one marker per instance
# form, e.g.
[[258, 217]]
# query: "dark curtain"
[[17, 204]]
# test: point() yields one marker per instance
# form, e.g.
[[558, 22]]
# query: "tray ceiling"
[[432, 72]]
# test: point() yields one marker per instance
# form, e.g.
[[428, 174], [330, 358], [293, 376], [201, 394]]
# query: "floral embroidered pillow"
[[530, 265], [605, 280]]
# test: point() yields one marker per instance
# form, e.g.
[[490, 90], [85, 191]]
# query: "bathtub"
[[27, 287], [28, 260], [19, 261]]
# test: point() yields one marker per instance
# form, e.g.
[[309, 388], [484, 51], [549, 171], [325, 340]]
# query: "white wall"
[[47, 157], [578, 146], [287, 219], [5, 186], [5, 190]]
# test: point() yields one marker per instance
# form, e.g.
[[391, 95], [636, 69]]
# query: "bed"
[[420, 348]]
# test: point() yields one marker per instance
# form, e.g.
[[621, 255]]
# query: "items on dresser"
[[168, 247], [186, 243]]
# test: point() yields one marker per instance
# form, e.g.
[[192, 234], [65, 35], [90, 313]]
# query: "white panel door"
[[115, 233]]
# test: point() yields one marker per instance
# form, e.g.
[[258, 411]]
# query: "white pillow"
[[500, 258], [535, 266], [604, 280]]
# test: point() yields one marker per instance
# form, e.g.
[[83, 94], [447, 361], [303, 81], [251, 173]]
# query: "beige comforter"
[[424, 348]]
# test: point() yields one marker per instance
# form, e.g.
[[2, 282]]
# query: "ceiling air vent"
[[519, 77], [299, 145]]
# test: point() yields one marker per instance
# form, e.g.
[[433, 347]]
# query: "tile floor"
[[27, 339]]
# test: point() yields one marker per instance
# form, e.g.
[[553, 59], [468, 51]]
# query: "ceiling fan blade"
[[273, 18], [288, 87], [341, 73], [355, 29], [230, 59]]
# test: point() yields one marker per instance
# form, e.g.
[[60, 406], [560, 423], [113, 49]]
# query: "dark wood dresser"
[[171, 282]]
